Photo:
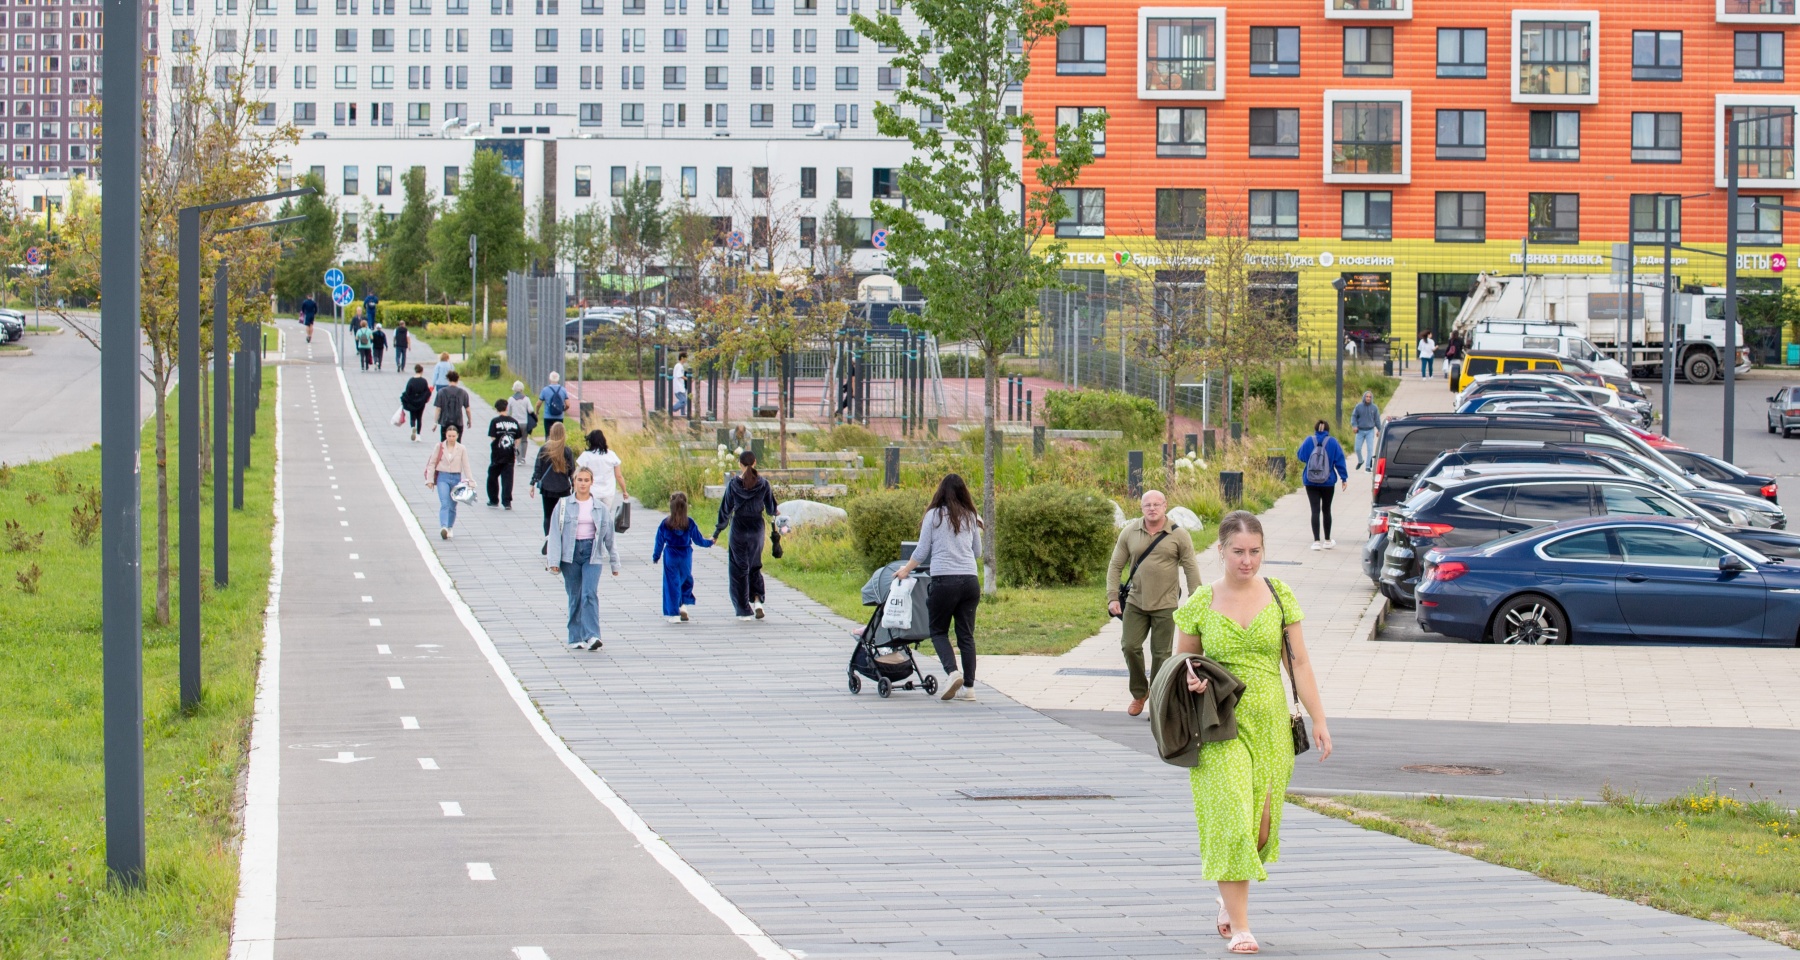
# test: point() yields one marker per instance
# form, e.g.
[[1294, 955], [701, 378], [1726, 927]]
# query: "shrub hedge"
[[1137, 417], [416, 316], [1052, 535], [880, 521]]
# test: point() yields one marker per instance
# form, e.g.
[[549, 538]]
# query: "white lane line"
[[684, 873], [253, 926], [374, 621], [409, 723], [426, 763], [347, 539], [368, 599], [343, 523], [451, 808], [481, 871], [355, 556], [358, 573], [530, 953], [395, 684], [384, 650]]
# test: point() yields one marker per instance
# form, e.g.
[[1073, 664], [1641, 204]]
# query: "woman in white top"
[[609, 475], [576, 543]]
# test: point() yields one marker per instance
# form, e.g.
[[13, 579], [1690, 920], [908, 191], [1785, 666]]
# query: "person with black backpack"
[[1323, 457], [1145, 593]]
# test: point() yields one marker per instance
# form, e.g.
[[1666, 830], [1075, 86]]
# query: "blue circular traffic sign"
[[32, 256], [735, 239], [343, 295], [334, 278], [879, 239]]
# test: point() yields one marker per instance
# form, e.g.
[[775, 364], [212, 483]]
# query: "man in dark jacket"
[[1365, 419], [309, 310]]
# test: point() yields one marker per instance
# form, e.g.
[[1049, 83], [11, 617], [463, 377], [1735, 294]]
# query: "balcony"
[[1369, 9], [1757, 11]]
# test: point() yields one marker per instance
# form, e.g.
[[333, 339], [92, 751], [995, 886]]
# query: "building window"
[[500, 41], [1656, 138], [759, 183], [674, 78], [1274, 51], [1656, 54], [1554, 217], [1555, 58], [1461, 52], [1368, 51], [1461, 217], [1766, 147], [381, 41], [1368, 215], [1653, 215], [1758, 57], [1365, 137], [1086, 216], [352, 181], [846, 183], [690, 182], [1180, 214], [846, 78], [1081, 50], [631, 114], [343, 77], [1462, 134], [1274, 132], [500, 78], [1759, 226], [717, 78], [384, 181], [1734, 8], [546, 40], [1274, 214], [722, 182], [590, 114], [1180, 54], [805, 115], [418, 114], [674, 41], [1555, 135], [809, 182], [1181, 132], [452, 181], [346, 41], [762, 114], [1070, 117], [847, 41], [584, 181]]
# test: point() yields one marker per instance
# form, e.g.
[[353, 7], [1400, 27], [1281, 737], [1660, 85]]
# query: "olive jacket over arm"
[[1181, 720]]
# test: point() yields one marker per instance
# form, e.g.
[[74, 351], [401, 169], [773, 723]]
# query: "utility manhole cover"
[[1033, 793], [1452, 769]]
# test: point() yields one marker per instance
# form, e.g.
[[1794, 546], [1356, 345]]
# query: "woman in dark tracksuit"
[[746, 500]]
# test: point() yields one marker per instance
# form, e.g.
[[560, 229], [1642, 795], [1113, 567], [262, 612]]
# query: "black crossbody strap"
[[1285, 652], [1132, 573]]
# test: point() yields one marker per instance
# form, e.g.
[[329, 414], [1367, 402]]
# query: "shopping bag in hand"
[[897, 613], [399, 419]]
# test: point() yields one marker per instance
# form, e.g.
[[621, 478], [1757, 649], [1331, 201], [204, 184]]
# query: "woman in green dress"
[[1239, 785]]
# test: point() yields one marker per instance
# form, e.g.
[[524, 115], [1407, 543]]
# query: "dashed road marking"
[[409, 723], [395, 684], [451, 808], [368, 599], [481, 871], [426, 763], [530, 953], [384, 650], [374, 621], [359, 575]]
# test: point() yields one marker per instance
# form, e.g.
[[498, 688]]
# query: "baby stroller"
[[886, 656]]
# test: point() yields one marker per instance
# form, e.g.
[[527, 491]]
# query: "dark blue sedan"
[[1617, 579]]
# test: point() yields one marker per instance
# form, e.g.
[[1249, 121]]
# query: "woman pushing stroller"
[[746, 500]]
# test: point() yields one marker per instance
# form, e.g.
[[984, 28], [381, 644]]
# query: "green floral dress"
[[1234, 776]]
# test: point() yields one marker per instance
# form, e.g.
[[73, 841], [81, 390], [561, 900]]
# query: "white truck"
[[1592, 308]]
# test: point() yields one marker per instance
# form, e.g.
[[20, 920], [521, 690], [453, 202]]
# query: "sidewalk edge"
[[698, 886], [1370, 624]]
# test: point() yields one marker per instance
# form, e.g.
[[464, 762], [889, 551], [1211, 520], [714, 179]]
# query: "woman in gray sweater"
[[949, 543]]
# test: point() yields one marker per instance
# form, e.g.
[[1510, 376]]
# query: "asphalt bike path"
[[420, 814], [847, 826]]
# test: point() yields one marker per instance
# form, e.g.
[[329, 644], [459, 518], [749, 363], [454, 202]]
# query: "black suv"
[[1503, 499], [1408, 443]]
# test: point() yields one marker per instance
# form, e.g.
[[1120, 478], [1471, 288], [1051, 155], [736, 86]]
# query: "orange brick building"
[[1412, 144]]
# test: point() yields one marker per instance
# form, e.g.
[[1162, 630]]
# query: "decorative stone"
[[1186, 519], [800, 513]]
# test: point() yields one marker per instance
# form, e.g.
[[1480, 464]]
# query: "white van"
[[1562, 339]]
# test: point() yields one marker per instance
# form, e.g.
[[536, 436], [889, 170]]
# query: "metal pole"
[[1731, 286], [121, 576], [472, 283], [1668, 319], [1630, 287], [221, 422], [1339, 285], [187, 445]]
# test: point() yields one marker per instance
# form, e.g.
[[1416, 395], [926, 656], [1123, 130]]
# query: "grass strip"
[[1704, 855], [55, 901]]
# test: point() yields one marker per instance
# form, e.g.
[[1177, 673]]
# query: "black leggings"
[[550, 502], [743, 565], [418, 419], [955, 595], [1319, 498]]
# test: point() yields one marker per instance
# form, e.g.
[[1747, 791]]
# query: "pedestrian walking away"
[[503, 445], [553, 402], [1453, 352], [577, 537], [554, 473], [949, 542], [747, 498], [1248, 624], [402, 340], [609, 472], [414, 398], [1427, 351], [676, 538], [1365, 419], [522, 411], [1144, 586], [448, 465], [452, 404], [309, 311], [440, 374], [369, 304], [678, 385], [378, 341], [365, 343], [1323, 457]]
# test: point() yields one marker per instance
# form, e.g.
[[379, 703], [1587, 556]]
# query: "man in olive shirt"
[[1155, 589]]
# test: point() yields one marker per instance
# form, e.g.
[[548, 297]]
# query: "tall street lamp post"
[[1771, 123], [1339, 285]]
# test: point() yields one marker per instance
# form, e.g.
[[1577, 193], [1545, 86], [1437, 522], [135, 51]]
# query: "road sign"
[[735, 240], [879, 239], [343, 295], [1777, 262], [334, 278], [33, 256]]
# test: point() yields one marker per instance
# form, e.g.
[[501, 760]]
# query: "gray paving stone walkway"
[[836, 823]]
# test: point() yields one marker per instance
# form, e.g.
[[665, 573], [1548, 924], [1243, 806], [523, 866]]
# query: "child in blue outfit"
[[676, 537]]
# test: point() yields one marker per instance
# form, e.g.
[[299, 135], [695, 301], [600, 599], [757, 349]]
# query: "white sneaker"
[[966, 693], [674, 619], [757, 607], [449, 534], [746, 618], [1330, 544], [952, 683], [1318, 545], [686, 614]]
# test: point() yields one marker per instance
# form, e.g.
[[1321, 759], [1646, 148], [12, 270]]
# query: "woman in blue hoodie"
[[1323, 459]]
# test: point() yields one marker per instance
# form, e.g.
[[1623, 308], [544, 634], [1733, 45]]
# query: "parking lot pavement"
[[55, 396], [1698, 423]]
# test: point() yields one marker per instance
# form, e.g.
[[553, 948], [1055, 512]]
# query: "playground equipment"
[[882, 369]]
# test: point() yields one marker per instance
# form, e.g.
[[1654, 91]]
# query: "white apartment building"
[[719, 100]]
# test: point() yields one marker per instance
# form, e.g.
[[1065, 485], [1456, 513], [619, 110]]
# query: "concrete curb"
[[21, 352], [1372, 618]]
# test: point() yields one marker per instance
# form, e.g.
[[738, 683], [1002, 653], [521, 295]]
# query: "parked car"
[[592, 321], [1582, 411], [12, 326], [1784, 411], [1476, 503], [1612, 578], [1719, 471], [1553, 387]]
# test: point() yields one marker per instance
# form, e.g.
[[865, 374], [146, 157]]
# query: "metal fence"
[[534, 327]]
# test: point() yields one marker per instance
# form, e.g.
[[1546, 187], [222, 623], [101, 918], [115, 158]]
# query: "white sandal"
[[1243, 943], [1224, 922]]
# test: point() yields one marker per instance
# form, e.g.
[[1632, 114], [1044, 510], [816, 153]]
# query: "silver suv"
[[1784, 411]]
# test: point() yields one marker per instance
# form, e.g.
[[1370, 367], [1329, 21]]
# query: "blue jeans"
[[446, 505], [680, 404], [1425, 367], [581, 579], [1365, 446]]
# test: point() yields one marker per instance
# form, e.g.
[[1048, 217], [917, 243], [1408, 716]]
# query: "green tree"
[[960, 236], [638, 224], [309, 247], [583, 240], [488, 207], [408, 253]]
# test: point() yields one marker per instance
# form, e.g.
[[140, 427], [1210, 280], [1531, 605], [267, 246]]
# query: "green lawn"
[[54, 898], [1704, 855]]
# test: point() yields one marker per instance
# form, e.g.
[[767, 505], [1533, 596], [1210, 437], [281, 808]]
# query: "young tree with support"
[[636, 234], [962, 236]]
